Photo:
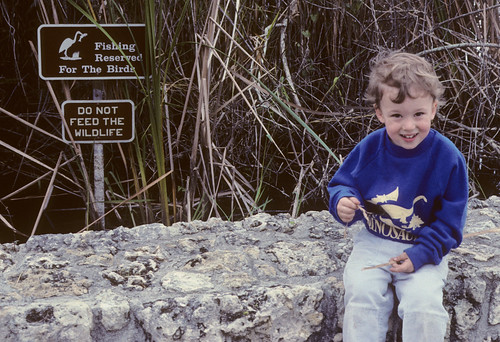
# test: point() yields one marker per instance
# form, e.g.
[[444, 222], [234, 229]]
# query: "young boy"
[[408, 183]]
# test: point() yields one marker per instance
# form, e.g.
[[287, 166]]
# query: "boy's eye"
[[396, 115], [419, 113]]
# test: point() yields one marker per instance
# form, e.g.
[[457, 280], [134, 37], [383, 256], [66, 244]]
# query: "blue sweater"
[[417, 196]]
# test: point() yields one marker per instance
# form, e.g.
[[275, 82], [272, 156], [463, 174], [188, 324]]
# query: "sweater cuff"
[[419, 256]]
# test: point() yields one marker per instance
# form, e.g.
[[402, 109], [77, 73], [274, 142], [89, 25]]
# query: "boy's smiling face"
[[407, 123]]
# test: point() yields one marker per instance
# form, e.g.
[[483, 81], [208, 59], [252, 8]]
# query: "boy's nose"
[[408, 124]]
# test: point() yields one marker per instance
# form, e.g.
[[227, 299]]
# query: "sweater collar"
[[400, 152]]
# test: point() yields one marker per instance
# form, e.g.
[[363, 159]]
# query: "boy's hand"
[[346, 208], [402, 264]]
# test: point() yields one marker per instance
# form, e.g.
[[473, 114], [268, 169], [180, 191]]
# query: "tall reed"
[[251, 105]]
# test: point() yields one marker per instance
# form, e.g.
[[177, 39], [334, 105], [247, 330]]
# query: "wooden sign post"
[[97, 122], [85, 52]]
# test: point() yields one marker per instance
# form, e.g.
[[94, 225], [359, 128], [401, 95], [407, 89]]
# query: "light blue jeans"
[[369, 298]]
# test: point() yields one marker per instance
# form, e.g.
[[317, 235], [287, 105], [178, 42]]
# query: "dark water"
[[67, 214]]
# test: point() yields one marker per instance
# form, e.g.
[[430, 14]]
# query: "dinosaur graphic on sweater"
[[405, 215]]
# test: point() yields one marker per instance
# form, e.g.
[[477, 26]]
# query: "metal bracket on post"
[[98, 94]]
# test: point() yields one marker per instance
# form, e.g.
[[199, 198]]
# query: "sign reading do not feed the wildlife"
[[73, 52], [99, 121]]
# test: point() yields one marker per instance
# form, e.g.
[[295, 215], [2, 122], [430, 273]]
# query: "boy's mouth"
[[409, 136]]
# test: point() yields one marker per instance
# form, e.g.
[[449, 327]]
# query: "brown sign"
[[75, 52], [102, 121]]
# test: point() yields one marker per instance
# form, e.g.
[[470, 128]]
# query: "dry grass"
[[251, 106]]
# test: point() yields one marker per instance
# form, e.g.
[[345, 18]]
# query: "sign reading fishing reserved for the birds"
[[80, 52], [98, 121]]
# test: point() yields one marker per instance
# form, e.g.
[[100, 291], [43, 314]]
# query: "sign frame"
[[107, 48], [97, 141]]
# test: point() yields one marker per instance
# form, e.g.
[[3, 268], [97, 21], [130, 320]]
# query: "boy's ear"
[[378, 112], [434, 109]]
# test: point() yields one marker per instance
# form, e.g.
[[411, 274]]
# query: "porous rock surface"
[[265, 278]]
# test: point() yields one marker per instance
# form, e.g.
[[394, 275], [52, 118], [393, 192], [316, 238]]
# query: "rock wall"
[[265, 278]]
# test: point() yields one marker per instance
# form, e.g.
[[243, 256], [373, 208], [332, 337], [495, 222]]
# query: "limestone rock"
[[265, 278], [494, 314], [112, 310], [54, 321]]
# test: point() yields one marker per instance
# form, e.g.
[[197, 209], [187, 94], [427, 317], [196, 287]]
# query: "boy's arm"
[[445, 232], [343, 185]]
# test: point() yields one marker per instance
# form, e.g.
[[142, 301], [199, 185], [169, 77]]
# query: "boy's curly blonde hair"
[[405, 71]]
